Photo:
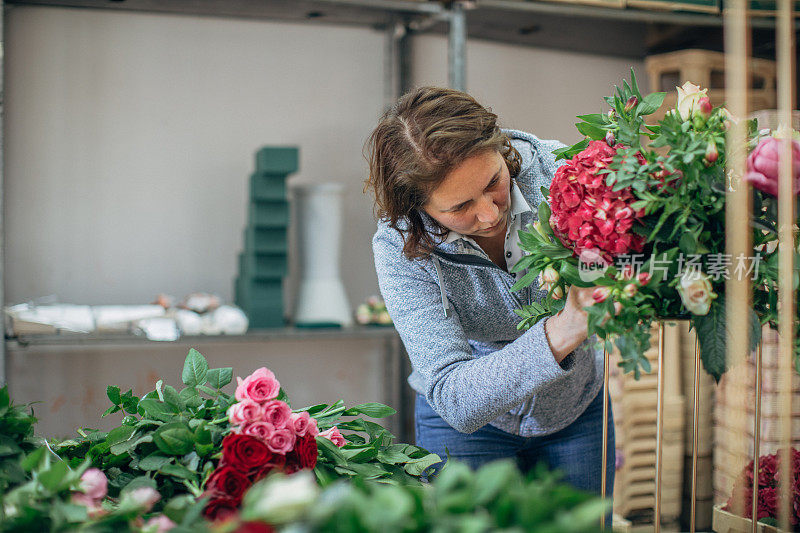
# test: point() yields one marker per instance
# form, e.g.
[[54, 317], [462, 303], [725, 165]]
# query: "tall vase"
[[321, 298]]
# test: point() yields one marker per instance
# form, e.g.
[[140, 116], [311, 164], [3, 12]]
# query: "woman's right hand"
[[569, 328]]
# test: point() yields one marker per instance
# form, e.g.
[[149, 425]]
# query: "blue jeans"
[[575, 450]]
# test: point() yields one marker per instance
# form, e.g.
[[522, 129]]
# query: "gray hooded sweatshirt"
[[455, 314]]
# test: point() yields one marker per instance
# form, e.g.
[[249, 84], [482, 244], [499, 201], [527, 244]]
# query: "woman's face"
[[475, 197]]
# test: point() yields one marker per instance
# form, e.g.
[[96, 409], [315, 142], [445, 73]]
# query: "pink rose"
[[763, 163], [245, 411], [334, 436], [303, 424], [159, 524], [94, 484], [281, 440], [259, 430], [259, 386], [277, 413], [144, 497], [92, 505]]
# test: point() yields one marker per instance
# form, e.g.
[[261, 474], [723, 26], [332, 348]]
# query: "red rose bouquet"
[[769, 466], [265, 436]]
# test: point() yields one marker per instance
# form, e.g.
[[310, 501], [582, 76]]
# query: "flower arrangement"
[[637, 211], [265, 436], [769, 466]]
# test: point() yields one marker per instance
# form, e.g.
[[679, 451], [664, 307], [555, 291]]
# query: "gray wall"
[[130, 137]]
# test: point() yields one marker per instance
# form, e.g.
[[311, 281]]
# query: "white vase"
[[321, 298]]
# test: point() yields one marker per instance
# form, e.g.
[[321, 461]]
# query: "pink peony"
[[259, 386], [259, 430], [334, 436], [281, 440], [277, 413], [159, 524], [586, 213], [245, 411], [94, 484], [763, 165], [303, 424]]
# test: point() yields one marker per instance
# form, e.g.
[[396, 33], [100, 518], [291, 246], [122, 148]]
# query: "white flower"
[[689, 98], [696, 291]]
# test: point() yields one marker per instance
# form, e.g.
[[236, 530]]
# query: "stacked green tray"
[[263, 263]]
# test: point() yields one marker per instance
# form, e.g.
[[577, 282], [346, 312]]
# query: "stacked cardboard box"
[[263, 262], [634, 403]]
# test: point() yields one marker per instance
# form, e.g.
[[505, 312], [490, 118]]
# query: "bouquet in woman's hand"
[[644, 223]]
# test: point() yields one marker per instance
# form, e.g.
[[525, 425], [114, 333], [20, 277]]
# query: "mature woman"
[[452, 190]]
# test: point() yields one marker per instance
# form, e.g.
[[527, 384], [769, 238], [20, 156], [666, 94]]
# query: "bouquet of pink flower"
[[644, 223], [265, 436]]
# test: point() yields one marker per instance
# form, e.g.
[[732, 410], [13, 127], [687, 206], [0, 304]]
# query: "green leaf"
[[418, 466], [219, 377], [712, 334], [178, 471], [591, 131], [139, 482], [570, 151], [113, 394], [190, 397], [374, 410], [120, 434], [155, 409], [53, 478], [173, 399], [595, 118], [174, 439], [154, 461], [650, 103], [195, 369], [330, 451], [33, 459]]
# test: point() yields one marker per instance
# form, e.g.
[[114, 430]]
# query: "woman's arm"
[[466, 391]]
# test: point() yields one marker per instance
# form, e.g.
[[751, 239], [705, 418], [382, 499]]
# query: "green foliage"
[[370, 452], [495, 498], [16, 441], [169, 437]]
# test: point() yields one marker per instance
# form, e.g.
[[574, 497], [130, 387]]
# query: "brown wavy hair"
[[418, 141]]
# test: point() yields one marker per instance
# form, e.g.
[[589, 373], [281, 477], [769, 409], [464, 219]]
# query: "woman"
[[452, 190]]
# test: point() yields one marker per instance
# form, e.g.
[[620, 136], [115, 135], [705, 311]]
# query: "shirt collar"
[[518, 205]]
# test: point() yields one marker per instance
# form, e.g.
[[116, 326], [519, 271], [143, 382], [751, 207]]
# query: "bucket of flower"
[[637, 211], [737, 514]]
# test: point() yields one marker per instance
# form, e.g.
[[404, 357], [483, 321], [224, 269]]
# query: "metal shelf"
[[368, 13], [622, 32], [261, 335]]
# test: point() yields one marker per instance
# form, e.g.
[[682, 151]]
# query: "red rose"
[[221, 509], [304, 455], [254, 527], [276, 463], [244, 452], [228, 482], [306, 450]]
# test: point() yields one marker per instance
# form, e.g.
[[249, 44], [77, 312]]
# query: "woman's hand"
[[569, 328]]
